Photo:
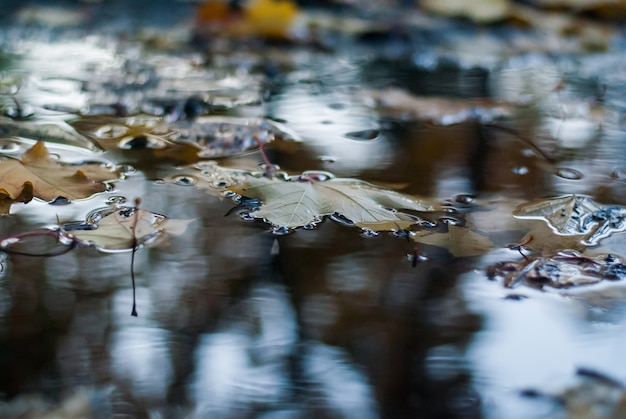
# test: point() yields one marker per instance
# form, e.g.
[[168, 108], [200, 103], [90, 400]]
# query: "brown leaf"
[[37, 175], [460, 241]]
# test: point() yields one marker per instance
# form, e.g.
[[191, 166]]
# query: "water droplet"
[[316, 175], [8, 146], [464, 199], [109, 187], [450, 221], [365, 135], [116, 199], [341, 219], [368, 233], [428, 224], [519, 170], [311, 226], [60, 200], [570, 174], [229, 194], [141, 142], [328, 159], [619, 173], [220, 184], [269, 168], [281, 230], [185, 180], [125, 169], [246, 216]]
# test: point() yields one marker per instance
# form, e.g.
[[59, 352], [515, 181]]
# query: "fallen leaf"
[[111, 228], [263, 18], [572, 215], [55, 133], [460, 241], [562, 270], [482, 11], [187, 141], [400, 104], [37, 175], [299, 201]]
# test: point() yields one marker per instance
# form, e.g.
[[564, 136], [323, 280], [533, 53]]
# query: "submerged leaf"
[[49, 132], [37, 175], [460, 241], [565, 269], [576, 215], [112, 228]]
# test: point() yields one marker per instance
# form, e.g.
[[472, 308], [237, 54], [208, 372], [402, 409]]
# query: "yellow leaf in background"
[[271, 18]]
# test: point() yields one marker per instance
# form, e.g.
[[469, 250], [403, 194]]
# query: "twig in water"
[[132, 257]]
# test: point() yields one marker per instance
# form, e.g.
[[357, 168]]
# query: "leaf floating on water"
[[49, 132], [188, 141], [37, 175], [111, 228], [298, 201], [576, 215], [460, 241], [565, 269], [400, 104]]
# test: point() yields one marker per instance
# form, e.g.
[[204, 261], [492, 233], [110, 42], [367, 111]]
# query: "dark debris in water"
[[563, 270]]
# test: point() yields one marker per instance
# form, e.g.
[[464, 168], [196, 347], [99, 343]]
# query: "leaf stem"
[[132, 257]]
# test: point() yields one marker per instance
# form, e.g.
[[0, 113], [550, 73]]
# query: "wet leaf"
[[37, 175], [460, 241], [187, 141], [111, 228], [264, 18], [49, 132], [563, 270], [400, 104], [299, 201], [482, 11], [571, 215]]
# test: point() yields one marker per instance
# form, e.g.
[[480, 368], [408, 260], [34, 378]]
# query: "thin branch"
[[132, 257]]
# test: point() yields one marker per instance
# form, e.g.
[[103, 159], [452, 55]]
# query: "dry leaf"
[[460, 241], [37, 175], [112, 228]]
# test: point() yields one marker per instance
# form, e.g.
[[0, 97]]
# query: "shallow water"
[[235, 321]]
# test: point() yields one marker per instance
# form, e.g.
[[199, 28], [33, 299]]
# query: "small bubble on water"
[[450, 221], [619, 173], [328, 159], [246, 216], [365, 135], [464, 199], [281, 230], [126, 169], [569, 174], [116, 199], [341, 219], [8, 146], [366, 232], [185, 180], [220, 184], [316, 175], [428, 224], [109, 187], [60, 200], [519, 170]]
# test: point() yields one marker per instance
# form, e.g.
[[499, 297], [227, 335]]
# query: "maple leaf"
[[37, 175], [299, 201], [111, 228]]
